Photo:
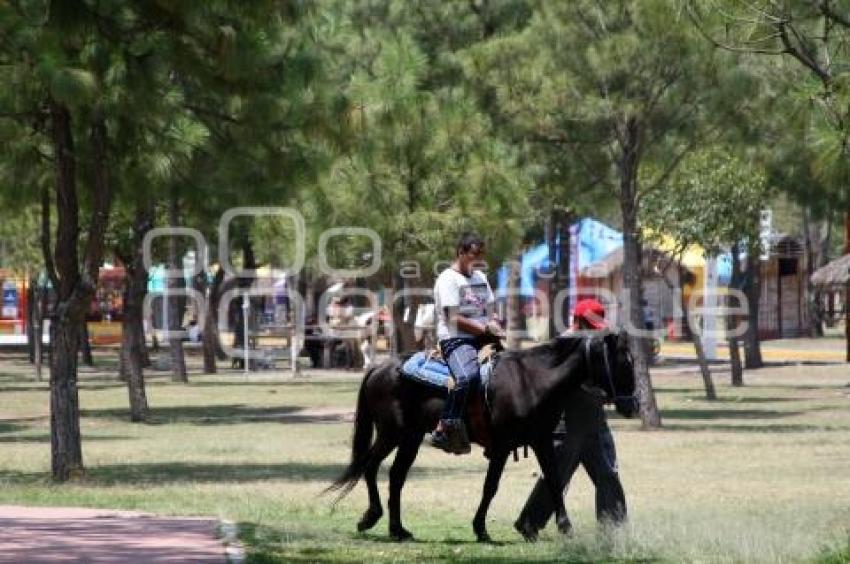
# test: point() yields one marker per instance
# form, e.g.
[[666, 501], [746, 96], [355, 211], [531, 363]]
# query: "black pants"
[[582, 437]]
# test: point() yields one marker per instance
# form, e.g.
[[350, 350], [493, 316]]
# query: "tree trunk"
[[210, 334], [552, 281], [752, 351], [405, 338], [813, 244], [85, 343], [847, 320], [702, 361], [176, 305], [74, 286], [627, 168], [249, 262], [710, 392], [39, 312], [143, 344], [66, 447], [29, 315], [731, 320], [512, 304], [847, 289], [132, 326]]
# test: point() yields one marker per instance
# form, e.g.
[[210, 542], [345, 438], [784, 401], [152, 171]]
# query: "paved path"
[[785, 350], [65, 534]]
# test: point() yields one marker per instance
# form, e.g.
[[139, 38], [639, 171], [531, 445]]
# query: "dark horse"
[[527, 393]]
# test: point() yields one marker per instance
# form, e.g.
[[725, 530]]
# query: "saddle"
[[430, 369]]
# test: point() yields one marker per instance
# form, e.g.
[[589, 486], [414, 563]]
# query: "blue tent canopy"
[[595, 241]]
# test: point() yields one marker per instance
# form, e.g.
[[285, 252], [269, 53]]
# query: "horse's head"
[[612, 371]]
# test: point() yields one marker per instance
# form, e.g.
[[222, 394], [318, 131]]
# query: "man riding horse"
[[464, 307], [525, 396]]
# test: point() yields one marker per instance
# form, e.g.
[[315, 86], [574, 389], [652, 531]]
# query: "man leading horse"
[[581, 437]]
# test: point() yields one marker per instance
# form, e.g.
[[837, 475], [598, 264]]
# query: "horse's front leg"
[[491, 485], [408, 448], [545, 452]]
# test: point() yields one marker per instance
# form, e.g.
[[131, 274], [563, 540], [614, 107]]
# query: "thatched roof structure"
[[834, 274]]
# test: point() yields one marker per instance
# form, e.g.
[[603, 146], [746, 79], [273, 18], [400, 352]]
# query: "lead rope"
[[607, 362]]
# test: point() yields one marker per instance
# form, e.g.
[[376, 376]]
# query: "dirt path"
[[66, 534]]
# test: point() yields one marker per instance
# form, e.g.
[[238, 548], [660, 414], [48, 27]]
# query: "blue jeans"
[[462, 358]]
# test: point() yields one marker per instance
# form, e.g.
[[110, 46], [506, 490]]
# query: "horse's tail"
[[361, 445]]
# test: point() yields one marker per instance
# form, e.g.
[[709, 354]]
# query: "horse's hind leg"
[[380, 450], [491, 485], [408, 448]]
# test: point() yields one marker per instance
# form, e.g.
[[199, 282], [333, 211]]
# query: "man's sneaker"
[[442, 441], [452, 438]]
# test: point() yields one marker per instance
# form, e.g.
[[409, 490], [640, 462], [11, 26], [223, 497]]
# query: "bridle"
[[608, 374]]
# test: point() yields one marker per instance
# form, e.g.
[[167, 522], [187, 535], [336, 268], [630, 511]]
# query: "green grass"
[[760, 475], [837, 555]]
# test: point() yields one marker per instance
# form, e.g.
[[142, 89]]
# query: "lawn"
[[760, 475]]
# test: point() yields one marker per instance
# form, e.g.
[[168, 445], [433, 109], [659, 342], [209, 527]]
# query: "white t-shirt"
[[471, 295]]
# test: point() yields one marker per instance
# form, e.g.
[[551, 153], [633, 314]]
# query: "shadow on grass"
[[83, 386], [178, 472], [698, 413], [226, 414], [11, 426], [326, 385], [45, 438], [745, 400], [197, 472], [161, 473], [666, 390], [269, 544], [786, 428]]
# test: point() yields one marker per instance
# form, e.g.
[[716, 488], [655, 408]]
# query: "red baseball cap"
[[592, 312]]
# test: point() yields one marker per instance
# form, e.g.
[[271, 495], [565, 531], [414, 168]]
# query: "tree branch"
[[46, 251], [831, 14], [102, 200], [809, 63], [725, 46]]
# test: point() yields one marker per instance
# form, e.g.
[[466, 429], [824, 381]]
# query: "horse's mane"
[[552, 353]]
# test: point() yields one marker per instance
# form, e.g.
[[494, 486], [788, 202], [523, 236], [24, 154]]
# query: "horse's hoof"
[[401, 534], [528, 532], [368, 520], [483, 536], [565, 527]]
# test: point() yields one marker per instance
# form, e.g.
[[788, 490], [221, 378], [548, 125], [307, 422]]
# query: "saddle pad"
[[425, 370], [434, 372]]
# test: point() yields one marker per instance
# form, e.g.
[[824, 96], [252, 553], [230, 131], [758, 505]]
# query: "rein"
[[607, 362]]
